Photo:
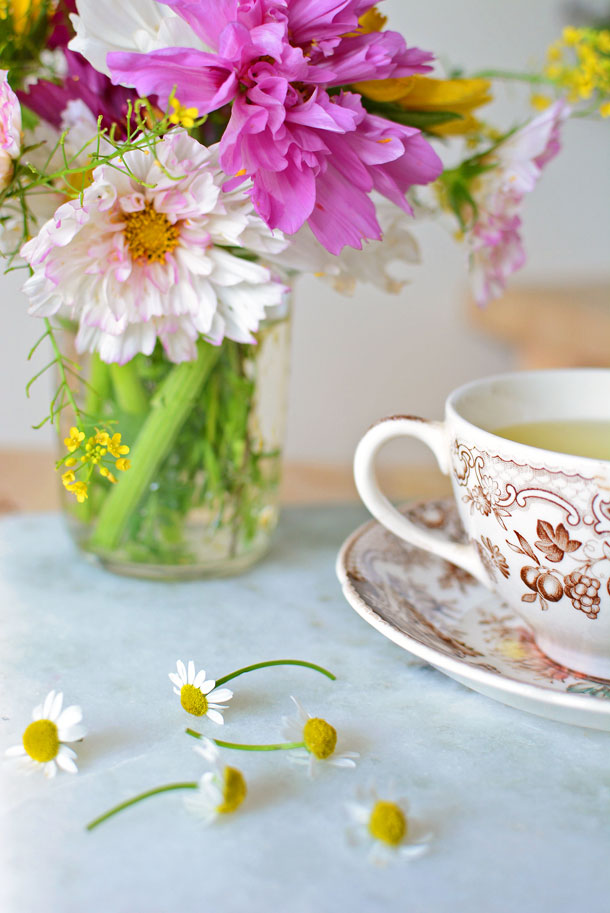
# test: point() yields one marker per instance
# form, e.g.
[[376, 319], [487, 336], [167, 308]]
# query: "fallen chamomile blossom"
[[319, 741], [198, 695], [43, 744], [386, 827], [220, 791]]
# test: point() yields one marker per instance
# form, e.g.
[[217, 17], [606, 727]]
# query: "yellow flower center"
[[149, 234], [388, 823], [193, 700], [233, 791], [41, 740], [320, 738]]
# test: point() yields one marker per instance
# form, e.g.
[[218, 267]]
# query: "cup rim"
[[525, 450]]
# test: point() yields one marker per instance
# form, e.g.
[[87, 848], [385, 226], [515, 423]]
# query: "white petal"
[[292, 730], [208, 750], [191, 672], [181, 672], [178, 691], [199, 678], [16, 751], [65, 762], [341, 762], [56, 707], [37, 712], [220, 694], [207, 686], [48, 703], [69, 717], [413, 850], [50, 769], [215, 716], [72, 733], [175, 679], [301, 710], [357, 812]]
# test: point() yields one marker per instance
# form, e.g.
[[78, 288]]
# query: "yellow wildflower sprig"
[[101, 450], [579, 62]]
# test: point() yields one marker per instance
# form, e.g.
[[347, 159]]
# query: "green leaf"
[[423, 120]]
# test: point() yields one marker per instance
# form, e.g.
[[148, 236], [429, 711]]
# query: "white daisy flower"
[[385, 825], [319, 740], [220, 791], [198, 695], [43, 744]]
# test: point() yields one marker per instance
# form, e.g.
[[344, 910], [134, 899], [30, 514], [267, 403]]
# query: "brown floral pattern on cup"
[[567, 549]]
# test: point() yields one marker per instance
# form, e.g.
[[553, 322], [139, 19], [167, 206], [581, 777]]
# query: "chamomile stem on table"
[[151, 792]]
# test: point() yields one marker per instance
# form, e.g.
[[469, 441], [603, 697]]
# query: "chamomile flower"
[[319, 740], [221, 790], [43, 742], [386, 826], [198, 695]]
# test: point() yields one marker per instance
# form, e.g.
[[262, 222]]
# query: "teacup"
[[537, 520]]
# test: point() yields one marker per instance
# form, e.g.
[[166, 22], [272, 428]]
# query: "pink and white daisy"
[[496, 248], [43, 744], [312, 156], [10, 129], [199, 696], [379, 263], [144, 254]]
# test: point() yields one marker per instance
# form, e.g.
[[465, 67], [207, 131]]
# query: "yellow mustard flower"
[[75, 439], [102, 437], [68, 478], [580, 63], [115, 448], [104, 471], [540, 102], [604, 109], [79, 490], [123, 465], [181, 116], [70, 462]]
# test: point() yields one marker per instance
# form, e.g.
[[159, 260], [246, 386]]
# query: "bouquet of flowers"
[[167, 167]]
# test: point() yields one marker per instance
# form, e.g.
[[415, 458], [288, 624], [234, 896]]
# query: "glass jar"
[[199, 496]]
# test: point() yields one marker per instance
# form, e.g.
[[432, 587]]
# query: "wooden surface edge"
[[28, 482]]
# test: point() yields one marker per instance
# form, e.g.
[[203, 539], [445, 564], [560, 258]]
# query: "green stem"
[[129, 391], [99, 387], [280, 746], [275, 662], [62, 372], [534, 78], [146, 795], [169, 409]]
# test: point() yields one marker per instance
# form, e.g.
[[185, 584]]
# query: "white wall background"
[[358, 358]]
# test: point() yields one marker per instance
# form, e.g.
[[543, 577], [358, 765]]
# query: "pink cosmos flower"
[[496, 248], [10, 129], [313, 156]]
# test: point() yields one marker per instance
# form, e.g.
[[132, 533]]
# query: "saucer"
[[444, 616]]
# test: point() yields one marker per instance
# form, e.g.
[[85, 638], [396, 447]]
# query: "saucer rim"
[[538, 693]]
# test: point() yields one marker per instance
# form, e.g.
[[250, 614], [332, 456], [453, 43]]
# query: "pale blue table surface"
[[520, 806]]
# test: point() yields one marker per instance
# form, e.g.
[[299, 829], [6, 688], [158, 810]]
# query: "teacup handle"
[[434, 434]]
